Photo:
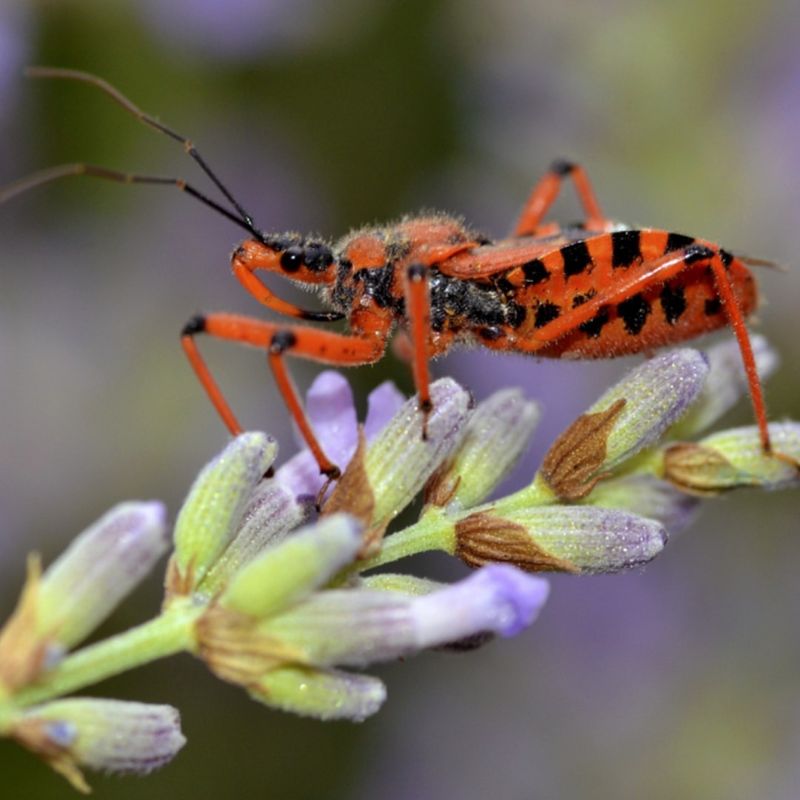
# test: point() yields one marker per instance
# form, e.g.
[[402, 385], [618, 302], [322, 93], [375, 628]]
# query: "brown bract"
[[353, 495], [691, 467], [235, 650], [177, 583], [22, 649], [482, 538], [570, 466], [33, 735]]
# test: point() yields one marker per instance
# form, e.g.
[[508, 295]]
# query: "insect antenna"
[[67, 170], [752, 261], [244, 219]]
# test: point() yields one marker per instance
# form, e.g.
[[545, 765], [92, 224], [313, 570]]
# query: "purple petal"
[[300, 474], [497, 599], [382, 404], [359, 626], [332, 414]]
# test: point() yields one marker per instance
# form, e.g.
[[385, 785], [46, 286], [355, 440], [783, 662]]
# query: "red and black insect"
[[596, 289]]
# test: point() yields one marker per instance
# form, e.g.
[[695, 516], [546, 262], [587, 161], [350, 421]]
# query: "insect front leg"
[[546, 191], [418, 308], [279, 340]]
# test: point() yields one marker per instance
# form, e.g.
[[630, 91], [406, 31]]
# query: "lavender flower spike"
[[360, 626], [100, 568], [108, 735]]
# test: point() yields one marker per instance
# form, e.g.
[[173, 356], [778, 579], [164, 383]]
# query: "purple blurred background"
[[679, 681]]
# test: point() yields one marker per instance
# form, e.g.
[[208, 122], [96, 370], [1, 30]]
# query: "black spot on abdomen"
[[545, 312], [594, 327], [673, 302], [625, 248], [534, 272], [634, 312], [576, 258], [713, 306], [677, 241]]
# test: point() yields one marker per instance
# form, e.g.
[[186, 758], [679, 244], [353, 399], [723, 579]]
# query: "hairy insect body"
[[504, 309], [596, 289]]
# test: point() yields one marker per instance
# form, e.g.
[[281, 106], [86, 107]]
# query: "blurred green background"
[[680, 681]]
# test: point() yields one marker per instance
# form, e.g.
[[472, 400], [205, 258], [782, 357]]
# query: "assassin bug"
[[596, 289]]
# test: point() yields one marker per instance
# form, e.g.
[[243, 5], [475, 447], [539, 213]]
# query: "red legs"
[[279, 340], [544, 195], [418, 308], [658, 271]]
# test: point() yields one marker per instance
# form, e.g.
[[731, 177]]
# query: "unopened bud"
[[577, 539], [495, 437], [734, 459]]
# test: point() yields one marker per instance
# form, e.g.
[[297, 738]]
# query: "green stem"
[[435, 531], [167, 634]]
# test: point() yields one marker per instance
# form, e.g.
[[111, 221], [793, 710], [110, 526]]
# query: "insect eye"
[[318, 257], [292, 259]]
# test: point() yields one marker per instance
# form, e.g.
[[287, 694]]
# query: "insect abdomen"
[[664, 313]]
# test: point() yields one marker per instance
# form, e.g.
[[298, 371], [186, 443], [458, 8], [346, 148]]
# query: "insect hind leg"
[[546, 191]]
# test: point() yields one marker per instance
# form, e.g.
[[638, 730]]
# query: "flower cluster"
[[267, 581]]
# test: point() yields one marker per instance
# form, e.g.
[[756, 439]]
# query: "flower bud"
[[332, 416], [577, 539], [108, 735], [271, 514], [650, 497], [632, 415], [100, 568], [402, 583], [735, 458], [213, 510], [283, 574], [400, 459], [360, 626], [495, 437], [725, 384], [79, 590], [323, 694]]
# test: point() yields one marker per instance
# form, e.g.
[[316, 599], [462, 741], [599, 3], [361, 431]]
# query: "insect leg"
[[546, 191], [279, 340], [418, 308]]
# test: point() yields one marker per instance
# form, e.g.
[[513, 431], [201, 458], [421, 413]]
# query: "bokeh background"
[[679, 681]]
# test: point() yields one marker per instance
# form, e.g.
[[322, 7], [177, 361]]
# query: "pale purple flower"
[[332, 414], [355, 627], [109, 735], [101, 567]]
